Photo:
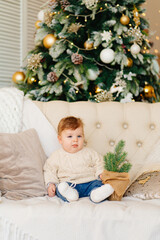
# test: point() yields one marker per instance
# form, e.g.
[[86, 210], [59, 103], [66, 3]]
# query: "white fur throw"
[[11, 106]]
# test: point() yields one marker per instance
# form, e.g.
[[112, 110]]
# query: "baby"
[[74, 171]]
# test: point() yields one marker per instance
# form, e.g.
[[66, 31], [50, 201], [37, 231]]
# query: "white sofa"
[[44, 218]]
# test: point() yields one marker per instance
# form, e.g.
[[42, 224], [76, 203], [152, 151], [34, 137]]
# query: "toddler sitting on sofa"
[[74, 171]]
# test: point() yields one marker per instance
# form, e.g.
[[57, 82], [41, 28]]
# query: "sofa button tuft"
[[139, 144], [98, 125], [111, 143], [125, 125], [152, 126]]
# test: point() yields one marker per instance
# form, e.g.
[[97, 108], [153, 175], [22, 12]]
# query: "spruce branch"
[[116, 162]]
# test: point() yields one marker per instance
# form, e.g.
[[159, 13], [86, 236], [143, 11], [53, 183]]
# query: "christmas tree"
[[91, 50]]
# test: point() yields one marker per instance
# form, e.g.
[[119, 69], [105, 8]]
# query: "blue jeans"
[[84, 189]]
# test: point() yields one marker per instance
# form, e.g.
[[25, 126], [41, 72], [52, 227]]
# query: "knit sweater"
[[80, 167]]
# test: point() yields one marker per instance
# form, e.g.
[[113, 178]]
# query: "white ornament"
[[135, 49], [41, 15], [128, 98], [90, 3], [107, 55], [129, 76], [106, 36], [92, 75]]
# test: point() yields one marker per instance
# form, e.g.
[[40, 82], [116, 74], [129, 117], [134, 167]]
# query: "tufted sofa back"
[[107, 123]]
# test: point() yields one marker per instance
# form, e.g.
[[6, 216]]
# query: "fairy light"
[[157, 37], [156, 51], [98, 90]]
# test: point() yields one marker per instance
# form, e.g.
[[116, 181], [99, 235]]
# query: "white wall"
[[153, 16]]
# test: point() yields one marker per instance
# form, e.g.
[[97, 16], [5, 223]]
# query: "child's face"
[[72, 140]]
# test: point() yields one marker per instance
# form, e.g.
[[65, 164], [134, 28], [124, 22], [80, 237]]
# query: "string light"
[[89, 15]]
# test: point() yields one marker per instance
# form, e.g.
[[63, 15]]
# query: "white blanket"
[[51, 219], [11, 106]]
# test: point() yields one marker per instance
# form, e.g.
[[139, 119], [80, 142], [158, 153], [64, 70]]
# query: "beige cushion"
[[146, 186], [21, 163]]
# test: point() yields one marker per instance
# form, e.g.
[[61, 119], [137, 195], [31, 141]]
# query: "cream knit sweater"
[[80, 167]]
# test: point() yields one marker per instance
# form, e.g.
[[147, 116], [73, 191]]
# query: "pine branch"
[[116, 161]]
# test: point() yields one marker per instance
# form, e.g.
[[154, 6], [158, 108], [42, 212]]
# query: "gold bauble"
[[148, 91], [31, 80], [37, 24], [49, 40], [18, 77], [124, 20], [88, 44], [129, 62]]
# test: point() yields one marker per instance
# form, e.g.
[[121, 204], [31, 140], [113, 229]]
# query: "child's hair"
[[69, 123]]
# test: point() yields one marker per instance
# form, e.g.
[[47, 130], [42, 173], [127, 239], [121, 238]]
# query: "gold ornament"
[[149, 91], [136, 18], [49, 40], [88, 44], [136, 34], [74, 27], [124, 20], [129, 62], [37, 24], [104, 96], [18, 77], [48, 16], [34, 61]]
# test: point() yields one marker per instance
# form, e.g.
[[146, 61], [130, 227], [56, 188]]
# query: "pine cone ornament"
[[64, 3], [52, 77], [77, 58]]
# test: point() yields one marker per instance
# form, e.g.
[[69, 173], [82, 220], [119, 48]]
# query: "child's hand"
[[100, 176], [51, 190]]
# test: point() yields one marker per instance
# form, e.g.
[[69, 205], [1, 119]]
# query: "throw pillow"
[[21, 165], [146, 186], [34, 118]]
